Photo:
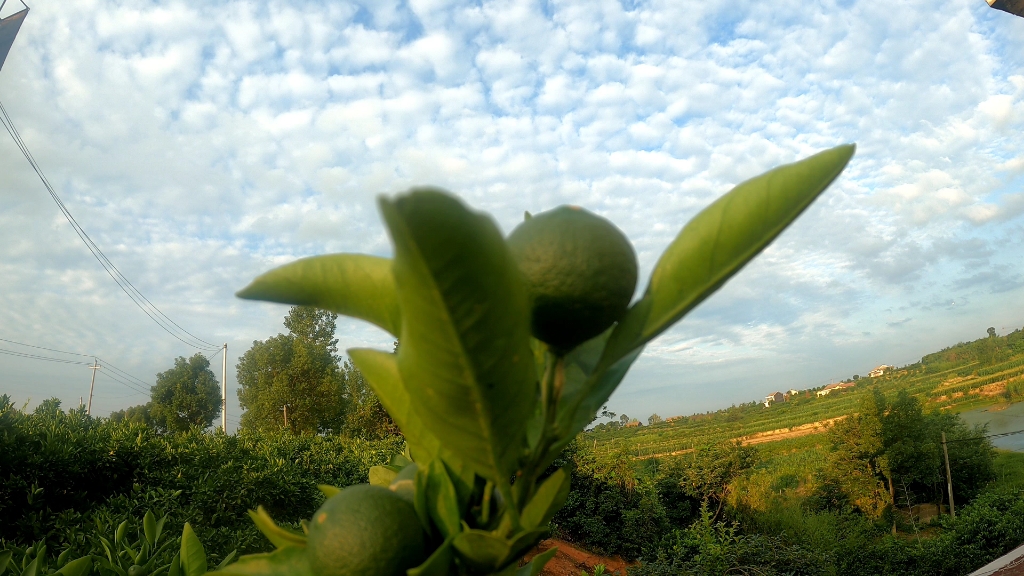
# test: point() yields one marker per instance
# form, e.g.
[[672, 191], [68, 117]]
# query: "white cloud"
[[200, 144]]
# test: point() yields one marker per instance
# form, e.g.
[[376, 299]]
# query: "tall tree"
[[889, 453], [366, 416], [298, 370], [185, 396]]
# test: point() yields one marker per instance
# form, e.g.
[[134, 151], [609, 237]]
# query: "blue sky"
[[200, 144]]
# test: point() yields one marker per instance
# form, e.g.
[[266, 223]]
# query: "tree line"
[[296, 381]]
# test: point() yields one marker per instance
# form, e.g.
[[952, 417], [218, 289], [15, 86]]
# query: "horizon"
[[201, 145]]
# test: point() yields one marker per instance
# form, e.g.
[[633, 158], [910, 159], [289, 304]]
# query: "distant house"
[[837, 386], [880, 370], [793, 392], [633, 424], [774, 397]]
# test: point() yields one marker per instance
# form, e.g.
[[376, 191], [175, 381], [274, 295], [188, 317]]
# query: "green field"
[[963, 377]]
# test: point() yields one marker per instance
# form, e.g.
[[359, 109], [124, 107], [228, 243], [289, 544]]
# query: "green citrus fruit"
[[365, 531], [581, 272]]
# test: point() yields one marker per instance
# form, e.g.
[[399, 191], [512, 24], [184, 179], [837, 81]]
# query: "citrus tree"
[[510, 347]]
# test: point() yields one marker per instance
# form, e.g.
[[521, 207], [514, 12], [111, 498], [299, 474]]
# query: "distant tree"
[[48, 407], [889, 453], [856, 377], [139, 414], [624, 419], [185, 396], [654, 419], [298, 369], [991, 332], [707, 475], [365, 416]]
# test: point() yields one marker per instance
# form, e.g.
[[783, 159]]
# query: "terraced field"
[[962, 377]]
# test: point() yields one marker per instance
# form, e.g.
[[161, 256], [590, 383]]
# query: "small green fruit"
[[365, 531], [581, 272]]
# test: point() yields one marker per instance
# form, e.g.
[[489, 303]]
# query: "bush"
[[62, 471]]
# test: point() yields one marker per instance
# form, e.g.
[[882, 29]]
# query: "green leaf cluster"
[[484, 407]]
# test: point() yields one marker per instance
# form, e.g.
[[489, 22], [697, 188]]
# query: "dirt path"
[[787, 433], [570, 560], [763, 437]]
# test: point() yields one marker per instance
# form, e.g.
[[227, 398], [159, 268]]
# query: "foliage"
[[892, 446], [298, 370], [611, 508], [365, 416], [710, 548], [479, 401], [60, 471], [185, 396], [135, 414]]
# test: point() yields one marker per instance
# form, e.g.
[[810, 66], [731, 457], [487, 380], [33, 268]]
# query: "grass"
[[1009, 470]]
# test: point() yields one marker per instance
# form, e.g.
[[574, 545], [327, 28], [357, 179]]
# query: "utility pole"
[[224, 391], [949, 479], [95, 366], [285, 408]]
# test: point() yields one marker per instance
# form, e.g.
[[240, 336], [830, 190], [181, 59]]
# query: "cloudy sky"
[[201, 143]]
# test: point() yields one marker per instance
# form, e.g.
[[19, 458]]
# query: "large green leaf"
[[719, 241], [277, 535], [287, 561], [712, 247], [537, 564], [465, 355], [79, 567], [381, 371], [438, 564], [5, 559], [483, 551], [549, 498], [193, 557], [350, 284]]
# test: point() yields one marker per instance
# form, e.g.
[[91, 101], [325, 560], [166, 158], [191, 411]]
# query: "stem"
[[485, 511], [551, 386]]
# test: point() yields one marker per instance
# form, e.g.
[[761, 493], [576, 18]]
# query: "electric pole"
[[285, 408], [224, 391], [949, 479], [95, 366]]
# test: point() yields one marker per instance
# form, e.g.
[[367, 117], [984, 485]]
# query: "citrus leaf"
[[537, 564], [524, 541], [149, 527], [278, 536], [353, 285], [175, 568], [442, 501], [549, 499], [287, 561], [79, 567], [193, 557], [227, 560], [381, 371], [438, 563], [327, 490], [482, 550], [32, 569], [383, 475], [719, 241], [465, 353], [5, 559], [713, 246]]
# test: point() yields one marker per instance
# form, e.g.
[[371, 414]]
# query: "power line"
[[44, 348], [38, 357], [976, 438], [140, 300]]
